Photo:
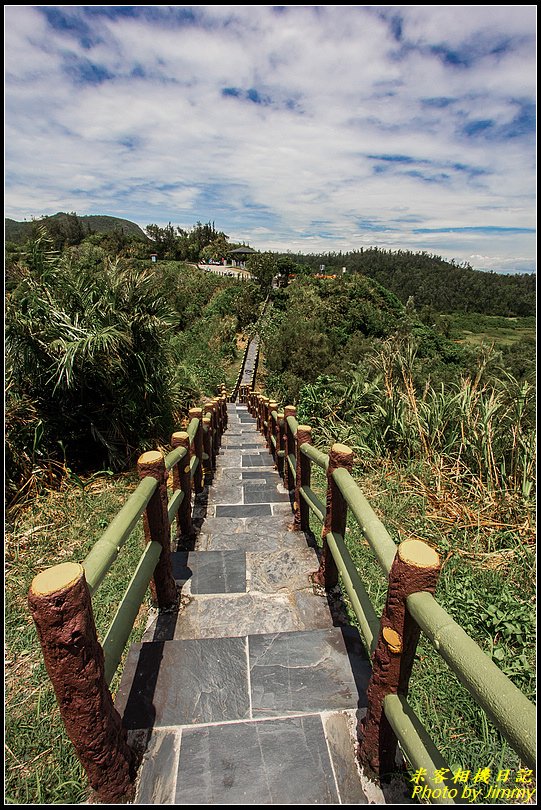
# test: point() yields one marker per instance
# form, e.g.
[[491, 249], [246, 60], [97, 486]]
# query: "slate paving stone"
[[250, 541], [283, 761], [176, 683], [307, 672], [232, 458], [268, 524], [340, 732], [211, 571], [244, 510], [267, 476], [224, 525], [158, 770], [246, 614], [251, 460], [266, 495], [237, 445], [286, 569], [226, 493]]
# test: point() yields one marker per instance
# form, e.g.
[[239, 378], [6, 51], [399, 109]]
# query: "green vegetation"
[[444, 439], [105, 355], [433, 282], [41, 765], [424, 368], [72, 227]]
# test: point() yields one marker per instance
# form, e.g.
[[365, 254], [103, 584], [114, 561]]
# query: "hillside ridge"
[[16, 231]]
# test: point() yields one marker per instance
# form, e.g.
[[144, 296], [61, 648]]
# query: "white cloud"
[[151, 113]]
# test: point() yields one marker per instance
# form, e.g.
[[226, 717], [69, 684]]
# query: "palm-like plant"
[[91, 349]]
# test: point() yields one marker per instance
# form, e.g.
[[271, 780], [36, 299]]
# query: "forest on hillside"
[[105, 353], [102, 347], [435, 284]]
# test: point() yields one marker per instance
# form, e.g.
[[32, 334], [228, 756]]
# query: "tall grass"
[[478, 433]]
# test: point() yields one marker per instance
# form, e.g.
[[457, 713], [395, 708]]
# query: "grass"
[[40, 763], [487, 584], [491, 329]]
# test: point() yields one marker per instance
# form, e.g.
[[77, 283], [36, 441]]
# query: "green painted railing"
[[504, 704], [67, 590]]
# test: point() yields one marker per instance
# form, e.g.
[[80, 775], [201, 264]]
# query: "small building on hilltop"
[[239, 256]]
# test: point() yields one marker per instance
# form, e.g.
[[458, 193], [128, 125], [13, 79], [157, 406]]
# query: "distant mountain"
[[19, 232]]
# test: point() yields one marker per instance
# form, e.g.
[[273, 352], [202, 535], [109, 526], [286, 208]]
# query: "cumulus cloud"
[[297, 127]]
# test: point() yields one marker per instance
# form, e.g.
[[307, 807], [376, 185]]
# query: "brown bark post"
[[208, 450], [302, 479], [255, 412], [183, 481], [197, 413], [209, 412], [156, 526], [335, 516], [264, 416], [260, 404], [223, 405], [280, 442], [416, 567], [273, 406], [60, 603], [289, 447], [217, 424]]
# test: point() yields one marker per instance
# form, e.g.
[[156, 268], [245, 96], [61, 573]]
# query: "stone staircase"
[[250, 692]]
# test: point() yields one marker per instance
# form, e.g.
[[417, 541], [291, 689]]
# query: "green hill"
[[20, 232], [434, 283]]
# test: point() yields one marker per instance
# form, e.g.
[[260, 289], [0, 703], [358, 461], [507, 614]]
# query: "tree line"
[[433, 282]]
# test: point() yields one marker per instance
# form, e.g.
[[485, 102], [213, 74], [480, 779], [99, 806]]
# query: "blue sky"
[[303, 128]]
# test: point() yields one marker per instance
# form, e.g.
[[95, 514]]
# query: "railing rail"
[[510, 711], [66, 590]]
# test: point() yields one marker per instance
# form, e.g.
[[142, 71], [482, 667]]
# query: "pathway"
[[249, 693]]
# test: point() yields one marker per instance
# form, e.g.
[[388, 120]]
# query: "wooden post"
[[255, 406], [217, 431], [263, 410], [335, 516], [208, 449], [416, 567], [197, 413], [280, 443], [156, 526], [258, 410], [289, 447], [61, 607], [182, 480], [212, 408], [223, 405], [273, 406], [302, 479]]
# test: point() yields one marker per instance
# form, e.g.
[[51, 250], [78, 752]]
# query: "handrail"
[[418, 746], [74, 585], [105, 551], [122, 624], [369, 622], [510, 711]]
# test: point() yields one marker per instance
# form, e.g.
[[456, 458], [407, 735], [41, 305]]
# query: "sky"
[[293, 128]]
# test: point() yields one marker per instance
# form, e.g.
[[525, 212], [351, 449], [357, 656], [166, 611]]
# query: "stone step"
[[215, 680], [250, 692], [307, 759], [259, 719]]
